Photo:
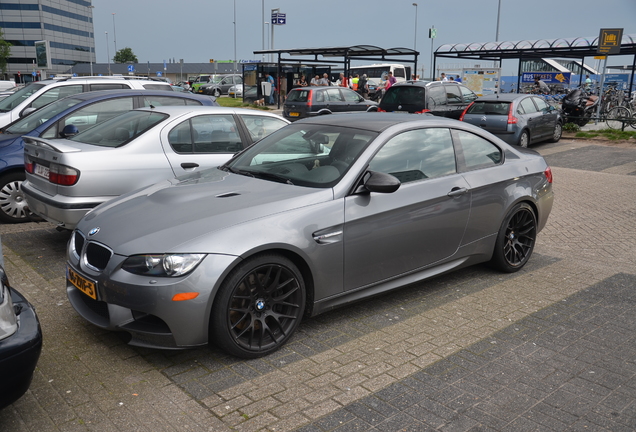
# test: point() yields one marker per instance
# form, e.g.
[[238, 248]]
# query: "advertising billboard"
[[43, 54]]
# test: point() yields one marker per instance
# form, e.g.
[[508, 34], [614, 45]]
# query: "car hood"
[[181, 215]]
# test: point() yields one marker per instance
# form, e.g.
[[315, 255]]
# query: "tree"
[[5, 52], [125, 55]]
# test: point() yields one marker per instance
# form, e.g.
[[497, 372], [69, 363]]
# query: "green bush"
[[571, 127]]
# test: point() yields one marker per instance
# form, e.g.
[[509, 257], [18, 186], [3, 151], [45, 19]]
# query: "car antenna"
[[149, 104]]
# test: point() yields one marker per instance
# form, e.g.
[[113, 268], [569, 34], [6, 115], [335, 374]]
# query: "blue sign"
[[159, 73], [131, 68], [279, 18], [34, 73], [74, 74], [547, 77]]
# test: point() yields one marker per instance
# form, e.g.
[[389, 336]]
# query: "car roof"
[[176, 110], [376, 121], [105, 94], [506, 97]]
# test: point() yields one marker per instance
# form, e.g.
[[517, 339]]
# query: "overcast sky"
[[200, 30]]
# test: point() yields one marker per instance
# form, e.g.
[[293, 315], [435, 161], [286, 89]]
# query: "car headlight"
[[162, 265]]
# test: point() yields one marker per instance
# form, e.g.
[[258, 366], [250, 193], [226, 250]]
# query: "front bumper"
[[143, 306], [19, 353]]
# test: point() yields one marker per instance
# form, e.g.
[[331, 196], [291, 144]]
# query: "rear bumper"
[[63, 211], [19, 353]]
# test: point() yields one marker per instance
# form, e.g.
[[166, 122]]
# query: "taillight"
[[29, 165], [309, 98], [63, 175], [422, 112], [461, 117], [511, 119], [381, 110], [548, 174]]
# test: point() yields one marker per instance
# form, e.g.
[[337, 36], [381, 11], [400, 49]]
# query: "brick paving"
[[548, 348]]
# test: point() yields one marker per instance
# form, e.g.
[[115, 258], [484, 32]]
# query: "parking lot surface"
[[552, 347]]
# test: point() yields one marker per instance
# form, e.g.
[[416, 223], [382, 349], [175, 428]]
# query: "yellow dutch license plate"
[[293, 114], [82, 284]]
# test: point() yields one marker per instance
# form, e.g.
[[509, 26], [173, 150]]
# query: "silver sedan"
[[67, 178], [321, 213]]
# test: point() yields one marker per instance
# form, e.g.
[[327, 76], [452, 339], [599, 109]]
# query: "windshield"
[[306, 155], [10, 102], [41, 116], [120, 130]]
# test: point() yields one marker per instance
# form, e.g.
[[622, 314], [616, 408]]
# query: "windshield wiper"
[[259, 174]]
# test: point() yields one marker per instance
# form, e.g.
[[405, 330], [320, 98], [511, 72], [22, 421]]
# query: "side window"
[[528, 106], [91, 115], [238, 80], [167, 101], [453, 94], [320, 96], [261, 126], [541, 104], [107, 86], [417, 155], [180, 138], [333, 95], [468, 94], [476, 152], [215, 134], [399, 73], [436, 96], [351, 96], [55, 94]]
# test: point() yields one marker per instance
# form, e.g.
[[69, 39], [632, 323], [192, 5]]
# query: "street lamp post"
[[263, 28], [234, 36], [108, 53], [92, 49], [269, 57], [415, 40], [114, 34]]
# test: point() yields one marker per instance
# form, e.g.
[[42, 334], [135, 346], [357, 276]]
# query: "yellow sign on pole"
[[600, 57]]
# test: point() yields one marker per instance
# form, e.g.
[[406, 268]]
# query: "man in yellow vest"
[[354, 82]]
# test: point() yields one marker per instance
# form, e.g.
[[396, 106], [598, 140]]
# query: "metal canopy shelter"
[[578, 48], [348, 53]]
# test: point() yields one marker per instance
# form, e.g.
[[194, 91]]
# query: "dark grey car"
[[314, 101], [518, 119], [320, 213]]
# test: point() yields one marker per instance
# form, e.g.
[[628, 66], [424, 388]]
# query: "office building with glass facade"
[[67, 25]]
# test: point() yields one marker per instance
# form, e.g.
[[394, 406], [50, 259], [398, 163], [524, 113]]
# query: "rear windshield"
[[405, 95], [120, 130], [298, 95], [489, 107]]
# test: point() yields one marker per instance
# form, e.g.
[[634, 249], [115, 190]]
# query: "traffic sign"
[[159, 73], [609, 41], [279, 18], [131, 68]]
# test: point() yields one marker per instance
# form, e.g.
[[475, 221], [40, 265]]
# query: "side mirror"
[[69, 131], [28, 111], [381, 182]]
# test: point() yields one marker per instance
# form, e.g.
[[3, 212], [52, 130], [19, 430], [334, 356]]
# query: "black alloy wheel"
[[259, 306], [516, 239]]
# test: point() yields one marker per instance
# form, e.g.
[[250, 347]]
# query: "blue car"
[[63, 119]]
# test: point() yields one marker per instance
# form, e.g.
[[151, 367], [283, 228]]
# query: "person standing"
[[391, 78], [363, 86], [270, 79], [588, 83], [324, 81], [354, 82], [342, 82], [458, 79], [443, 77]]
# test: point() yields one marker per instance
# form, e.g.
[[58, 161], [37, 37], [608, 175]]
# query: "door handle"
[[187, 165], [457, 191]]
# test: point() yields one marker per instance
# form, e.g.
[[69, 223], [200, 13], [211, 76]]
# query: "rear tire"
[[12, 202], [524, 139], [516, 239]]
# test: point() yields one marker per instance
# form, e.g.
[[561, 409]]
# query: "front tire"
[[558, 131], [216, 93], [258, 307], [516, 239], [12, 202]]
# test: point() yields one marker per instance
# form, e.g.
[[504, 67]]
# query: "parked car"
[[445, 99], [73, 114], [220, 85], [320, 213], [41, 93], [67, 178], [518, 119], [20, 342], [236, 91], [197, 81], [306, 102]]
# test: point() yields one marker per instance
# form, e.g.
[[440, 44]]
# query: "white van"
[[40, 93]]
